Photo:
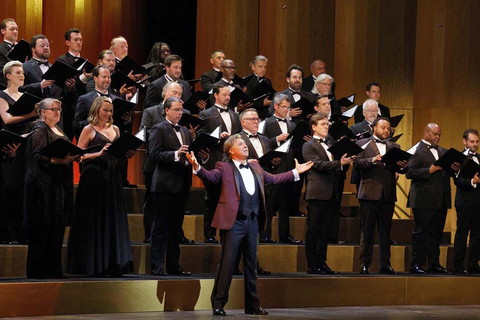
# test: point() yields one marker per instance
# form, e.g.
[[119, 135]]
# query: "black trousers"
[[378, 213], [148, 206], [336, 219], [44, 258], [212, 195], [427, 235], [167, 226], [468, 220], [242, 236], [276, 200], [320, 214]]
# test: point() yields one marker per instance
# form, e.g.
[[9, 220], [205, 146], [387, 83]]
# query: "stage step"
[[203, 258], [349, 229], [147, 294]]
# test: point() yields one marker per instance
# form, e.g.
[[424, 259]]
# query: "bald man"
[[429, 198], [316, 68]]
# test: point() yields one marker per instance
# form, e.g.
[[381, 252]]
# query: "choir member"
[[323, 86], [373, 92], [119, 46], [48, 195], [99, 241], [207, 79], [9, 31]]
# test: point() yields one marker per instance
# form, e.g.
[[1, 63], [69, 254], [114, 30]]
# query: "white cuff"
[[83, 78], [296, 175], [198, 169]]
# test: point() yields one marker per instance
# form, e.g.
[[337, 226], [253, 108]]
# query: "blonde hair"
[[44, 104], [7, 69], [95, 109]]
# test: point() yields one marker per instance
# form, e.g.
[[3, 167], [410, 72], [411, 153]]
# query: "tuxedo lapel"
[[236, 177]]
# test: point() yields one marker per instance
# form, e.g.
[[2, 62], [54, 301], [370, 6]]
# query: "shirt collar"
[[73, 54], [218, 70]]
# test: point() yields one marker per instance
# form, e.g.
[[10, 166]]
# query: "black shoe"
[[460, 270], [267, 240], [437, 270], [237, 272], [179, 272], [262, 272], [314, 270], [474, 270], [147, 240], [6, 242], [187, 241], [219, 312], [393, 241], [159, 272], [187, 213], [211, 240], [342, 215], [326, 270], [417, 269], [127, 184], [291, 240], [387, 270], [334, 241], [257, 312], [364, 270]]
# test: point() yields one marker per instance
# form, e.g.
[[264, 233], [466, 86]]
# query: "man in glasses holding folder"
[[377, 194]]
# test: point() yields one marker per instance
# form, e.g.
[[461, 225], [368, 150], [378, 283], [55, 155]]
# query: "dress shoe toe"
[[416, 269], [262, 272], [291, 240], [187, 241], [364, 270], [219, 312], [313, 270], [179, 272], [237, 272], [387, 270], [437, 270], [257, 312], [267, 240], [460, 270], [159, 272], [211, 240]]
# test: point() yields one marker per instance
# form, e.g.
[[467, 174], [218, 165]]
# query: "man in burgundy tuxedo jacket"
[[239, 215]]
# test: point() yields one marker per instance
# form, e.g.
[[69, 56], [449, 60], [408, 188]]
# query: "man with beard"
[[294, 92], [467, 204], [377, 194]]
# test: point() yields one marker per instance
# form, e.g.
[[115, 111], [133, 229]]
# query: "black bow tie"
[[176, 128], [246, 166], [320, 141], [260, 78], [222, 110], [471, 155], [44, 63], [253, 136], [283, 120], [103, 94], [294, 92], [432, 147], [381, 141]]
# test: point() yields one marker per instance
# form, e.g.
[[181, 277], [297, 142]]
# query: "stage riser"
[[349, 229], [93, 297], [276, 258]]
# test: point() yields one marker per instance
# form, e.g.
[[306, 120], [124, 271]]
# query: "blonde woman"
[[99, 243], [48, 195], [11, 212]]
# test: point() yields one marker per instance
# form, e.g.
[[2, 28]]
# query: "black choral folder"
[[21, 51], [448, 158], [394, 155], [126, 142], [25, 104], [469, 169], [60, 148], [9, 138], [203, 142], [345, 146], [60, 72]]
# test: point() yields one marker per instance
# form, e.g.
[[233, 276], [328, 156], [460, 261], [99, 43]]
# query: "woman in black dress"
[[48, 195], [11, 212], [99, 242]]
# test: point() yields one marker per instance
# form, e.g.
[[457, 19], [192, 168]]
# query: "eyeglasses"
[[233, 68], [252, 119], [177, 110], [325, 84], [54, 109], [370, 111]]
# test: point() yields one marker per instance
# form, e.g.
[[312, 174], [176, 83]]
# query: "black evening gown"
[[48, 205], [11, 211], [99, 240]]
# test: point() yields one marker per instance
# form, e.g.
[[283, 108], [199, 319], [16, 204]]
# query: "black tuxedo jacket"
[[67, 58], [33, 82], [262, 110], [207, 79], [4, 50], [358, 115], [325, 175], [271, 130], [154, 91], [214, 120], [212, 98], [376, 179], [309, 83], [252, 153], [170, 176], [308, 95], [82, 110], [361, 127], [427, 191], [467, 195]]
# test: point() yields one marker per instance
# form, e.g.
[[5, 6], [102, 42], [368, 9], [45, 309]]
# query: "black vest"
[[248, 203]]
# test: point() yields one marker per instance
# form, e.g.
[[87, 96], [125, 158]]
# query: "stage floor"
[[361, 313]]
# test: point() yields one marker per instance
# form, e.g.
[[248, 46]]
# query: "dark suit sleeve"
[[463, 183], [81, 115], [309, 154], [156, 146], [90, 85], [153, 95], [362, 163], [206, 82], [212, 176], [147, 120]]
